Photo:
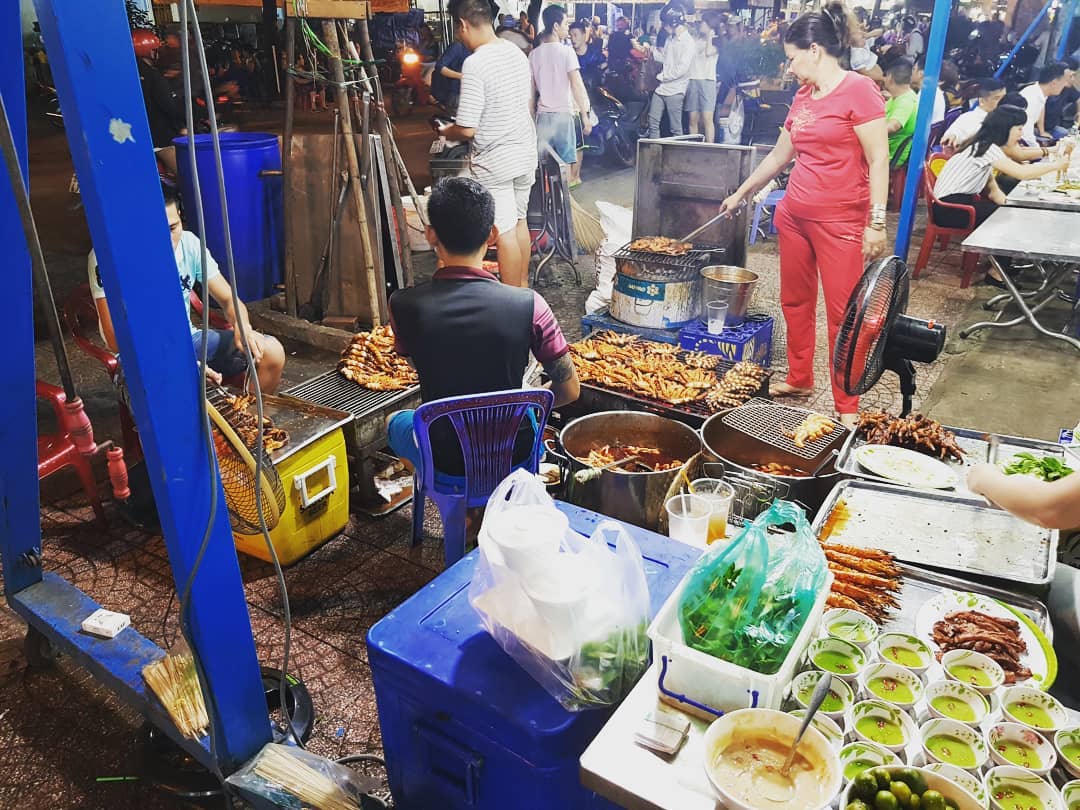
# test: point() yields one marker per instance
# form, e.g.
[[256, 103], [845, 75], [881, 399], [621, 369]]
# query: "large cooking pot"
[[738, 450], [633, 497]]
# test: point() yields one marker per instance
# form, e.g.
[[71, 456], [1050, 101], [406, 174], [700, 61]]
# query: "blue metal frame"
[[90, 54], [935, 50], [1023, 38], [1066, 28]]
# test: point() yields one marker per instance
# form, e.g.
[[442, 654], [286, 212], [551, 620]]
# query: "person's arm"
[[1040, 125], [564, 380], [1025, 153], [549, 347], [875, 145], [893, 125], [775, 162], [581, 99], [994, 192], [236, 315], [1050, 504], [679, 64], [450, 73], [1029, 171]]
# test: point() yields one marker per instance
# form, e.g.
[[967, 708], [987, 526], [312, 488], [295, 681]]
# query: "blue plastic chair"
[[771, 199], [487, 427]]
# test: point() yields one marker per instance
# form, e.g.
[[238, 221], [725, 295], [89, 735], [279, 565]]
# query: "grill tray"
[[331, 390], [767, 422], [696, 258]]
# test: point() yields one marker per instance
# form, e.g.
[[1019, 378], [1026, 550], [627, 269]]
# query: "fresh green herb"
[[1048, 468]]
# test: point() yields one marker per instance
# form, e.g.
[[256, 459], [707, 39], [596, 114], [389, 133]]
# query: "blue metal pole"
[[89, 46], [1023, 38], [1066, 29], [935, 49], [20, 522]]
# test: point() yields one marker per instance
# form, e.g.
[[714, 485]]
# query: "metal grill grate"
[[698, 257], [331, 390], [768, 422]]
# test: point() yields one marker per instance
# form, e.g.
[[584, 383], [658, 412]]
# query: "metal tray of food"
[[920, 586], [929, 529], [978, 447]]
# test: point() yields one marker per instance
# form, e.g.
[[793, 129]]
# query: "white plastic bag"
[[735, 121], [617, 223], [572, 611]]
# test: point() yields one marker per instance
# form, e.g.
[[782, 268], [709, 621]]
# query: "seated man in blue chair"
[[467, 333]]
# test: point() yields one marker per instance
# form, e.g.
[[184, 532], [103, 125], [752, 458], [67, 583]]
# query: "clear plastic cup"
[[688, 519], [719, 494], [716, 315]]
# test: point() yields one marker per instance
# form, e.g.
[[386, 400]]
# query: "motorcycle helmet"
[[145, 42]]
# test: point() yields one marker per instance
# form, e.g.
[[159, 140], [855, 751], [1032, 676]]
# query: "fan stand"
[[906, 372]]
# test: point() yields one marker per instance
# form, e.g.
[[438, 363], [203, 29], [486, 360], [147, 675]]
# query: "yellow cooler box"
[[314, 470]]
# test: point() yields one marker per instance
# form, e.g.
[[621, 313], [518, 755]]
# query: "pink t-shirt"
[[831, 178], [551, 65]]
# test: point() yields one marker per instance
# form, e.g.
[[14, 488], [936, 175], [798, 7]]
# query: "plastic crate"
[[751, 340], [601, 320], [708, 687], [463, 726]]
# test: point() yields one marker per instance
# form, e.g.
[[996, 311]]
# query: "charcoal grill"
[[658, 290], [673, 268], [369, 409]]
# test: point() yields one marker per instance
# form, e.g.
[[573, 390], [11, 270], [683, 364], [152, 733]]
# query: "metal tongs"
[[722, 215], [584, 476]]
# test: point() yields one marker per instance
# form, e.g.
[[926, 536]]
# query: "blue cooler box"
[[751, 340], [463, 726]]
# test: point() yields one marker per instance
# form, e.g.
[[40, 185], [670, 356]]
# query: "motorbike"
[[617, 127], [52, 105]]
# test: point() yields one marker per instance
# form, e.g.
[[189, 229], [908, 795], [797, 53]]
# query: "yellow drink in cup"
[[719, 494]]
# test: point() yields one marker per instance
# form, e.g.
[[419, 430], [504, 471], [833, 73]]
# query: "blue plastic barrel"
[[254, 202]]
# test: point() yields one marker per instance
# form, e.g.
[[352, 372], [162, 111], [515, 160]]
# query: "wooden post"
[[291, 292], [398, 224], [330, 35]]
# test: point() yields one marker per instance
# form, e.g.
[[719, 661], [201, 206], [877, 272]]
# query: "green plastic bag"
[[746, 602]]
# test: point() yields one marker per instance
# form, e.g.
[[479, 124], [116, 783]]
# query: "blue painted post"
[[1066, 29], [935, 49], [1023, 38], [89, 46], [20, 523]]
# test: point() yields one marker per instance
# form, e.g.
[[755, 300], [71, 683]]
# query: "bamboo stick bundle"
[[311, 787], [176, 683]]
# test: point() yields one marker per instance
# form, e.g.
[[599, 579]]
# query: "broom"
[[587, 227], [175, 682]]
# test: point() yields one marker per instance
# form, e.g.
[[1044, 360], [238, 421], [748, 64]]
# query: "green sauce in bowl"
[[881, 730], [954, 708], [951, 750], [966, 673], [835, 661], [1019, 754], [1014, 797], [891, 689], [1030, 714], [903, 656]]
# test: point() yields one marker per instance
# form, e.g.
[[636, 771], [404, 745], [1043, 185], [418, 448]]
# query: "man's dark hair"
[[461, 212], [552, 16], [170, 195], [900, 72], [476, 13], [578, 25], [1013, 100], [1052, 72], [989, 86], [1071, 63]]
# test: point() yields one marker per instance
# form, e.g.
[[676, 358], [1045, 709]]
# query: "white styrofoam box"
[[413, 226], [691, 675]]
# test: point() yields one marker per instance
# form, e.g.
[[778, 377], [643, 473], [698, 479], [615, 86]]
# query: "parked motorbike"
[[617, 128], [52, 105]]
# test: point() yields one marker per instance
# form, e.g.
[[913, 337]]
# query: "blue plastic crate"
[[463, 726], [752, 340], [602, 320]]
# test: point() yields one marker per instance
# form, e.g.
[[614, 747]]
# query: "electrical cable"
[[241, 328]]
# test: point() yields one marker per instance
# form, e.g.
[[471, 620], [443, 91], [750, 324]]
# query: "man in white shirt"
[[915, 45], [1052, 80], [495, 114], [677, 57], [963, 129], [918, 74]]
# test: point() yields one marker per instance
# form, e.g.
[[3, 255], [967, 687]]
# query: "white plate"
[[906, 466], [1039, 658]]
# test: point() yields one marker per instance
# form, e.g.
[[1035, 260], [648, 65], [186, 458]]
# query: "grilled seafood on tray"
[[913, 432], [238, 414], [661, 244], [370, 361]]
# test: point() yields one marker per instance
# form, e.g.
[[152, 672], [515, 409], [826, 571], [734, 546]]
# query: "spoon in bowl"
[[816, 699]]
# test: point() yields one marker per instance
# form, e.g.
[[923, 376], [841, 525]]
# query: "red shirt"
[[831, 178]]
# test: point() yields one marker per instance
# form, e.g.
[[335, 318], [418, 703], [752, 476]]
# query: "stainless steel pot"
[[738, 450], [736, 284], [633, 497]]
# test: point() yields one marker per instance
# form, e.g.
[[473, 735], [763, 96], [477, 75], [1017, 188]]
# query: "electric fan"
[[236, 446], [876, 335]]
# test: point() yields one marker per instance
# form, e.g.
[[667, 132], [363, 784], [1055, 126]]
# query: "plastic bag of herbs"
[[746, 602]]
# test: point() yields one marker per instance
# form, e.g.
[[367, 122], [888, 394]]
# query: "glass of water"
[[688, 519], [716, 313]]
